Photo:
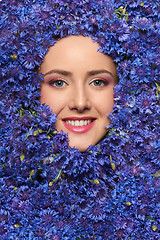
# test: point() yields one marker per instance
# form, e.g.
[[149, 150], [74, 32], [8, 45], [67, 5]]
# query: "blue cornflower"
[[48, 189], [142, 23]]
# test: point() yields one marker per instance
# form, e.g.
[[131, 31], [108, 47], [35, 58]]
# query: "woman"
[[78, 86], [100, 184]]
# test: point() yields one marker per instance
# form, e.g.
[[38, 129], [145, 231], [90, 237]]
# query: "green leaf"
[[157, 91], [150, 218], [22, 113], [121, 12], [157, 174]]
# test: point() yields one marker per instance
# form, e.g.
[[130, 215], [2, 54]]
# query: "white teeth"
[[78, 123], [81, 123]]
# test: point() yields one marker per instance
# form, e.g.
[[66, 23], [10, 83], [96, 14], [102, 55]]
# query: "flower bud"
[[113, 166], [31, 174], [17, 225], [128, 203], [96, 181], [14, 56], [36, 133], [154, 228], [22, 157]]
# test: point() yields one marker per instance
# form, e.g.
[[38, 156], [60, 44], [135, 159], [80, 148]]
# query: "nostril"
[[80, 109], [79, 106]]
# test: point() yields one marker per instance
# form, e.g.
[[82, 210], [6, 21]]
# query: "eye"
[[99, 83], [57, 83]]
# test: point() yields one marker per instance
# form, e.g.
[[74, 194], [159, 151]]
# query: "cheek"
[[105, 102], [52, 98]]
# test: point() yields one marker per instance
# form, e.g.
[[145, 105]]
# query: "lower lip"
[[81, 129]]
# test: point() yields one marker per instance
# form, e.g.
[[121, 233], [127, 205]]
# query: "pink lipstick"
[[79, 125]]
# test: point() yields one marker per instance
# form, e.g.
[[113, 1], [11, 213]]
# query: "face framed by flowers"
[[49, 188], [78, 85]]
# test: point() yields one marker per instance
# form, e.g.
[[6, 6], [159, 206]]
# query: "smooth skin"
[[78, 85]]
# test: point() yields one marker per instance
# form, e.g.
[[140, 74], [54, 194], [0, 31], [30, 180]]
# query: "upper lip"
[[78, 118]]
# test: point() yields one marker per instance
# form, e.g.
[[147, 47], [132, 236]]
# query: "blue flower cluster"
[[49, 190]]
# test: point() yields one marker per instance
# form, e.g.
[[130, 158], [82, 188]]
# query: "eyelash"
[[100, 81], [53, 82], [103, 82]]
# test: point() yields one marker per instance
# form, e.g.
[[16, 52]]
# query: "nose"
[[80, 100]]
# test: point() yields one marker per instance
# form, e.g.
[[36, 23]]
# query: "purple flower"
[[142, 23], [48, 189]]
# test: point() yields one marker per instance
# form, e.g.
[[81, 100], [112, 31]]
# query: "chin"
[[80, 147], [82, 142]]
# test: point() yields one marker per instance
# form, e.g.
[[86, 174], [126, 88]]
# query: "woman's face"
[[78, 86]]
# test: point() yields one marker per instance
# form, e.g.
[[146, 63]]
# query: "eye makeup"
[[55, 80], [99, 82], [57, 83], [102, 80]]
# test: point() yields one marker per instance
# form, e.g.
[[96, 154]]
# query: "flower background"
[[48, 190]]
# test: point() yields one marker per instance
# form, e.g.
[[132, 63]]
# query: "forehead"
[[73, 47], [77, 53]]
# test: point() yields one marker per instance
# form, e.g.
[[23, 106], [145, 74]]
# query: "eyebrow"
[[94, 72], [66, 73], [63, 72]]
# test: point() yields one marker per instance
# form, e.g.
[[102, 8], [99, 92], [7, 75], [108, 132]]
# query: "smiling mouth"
[[78, 123]]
